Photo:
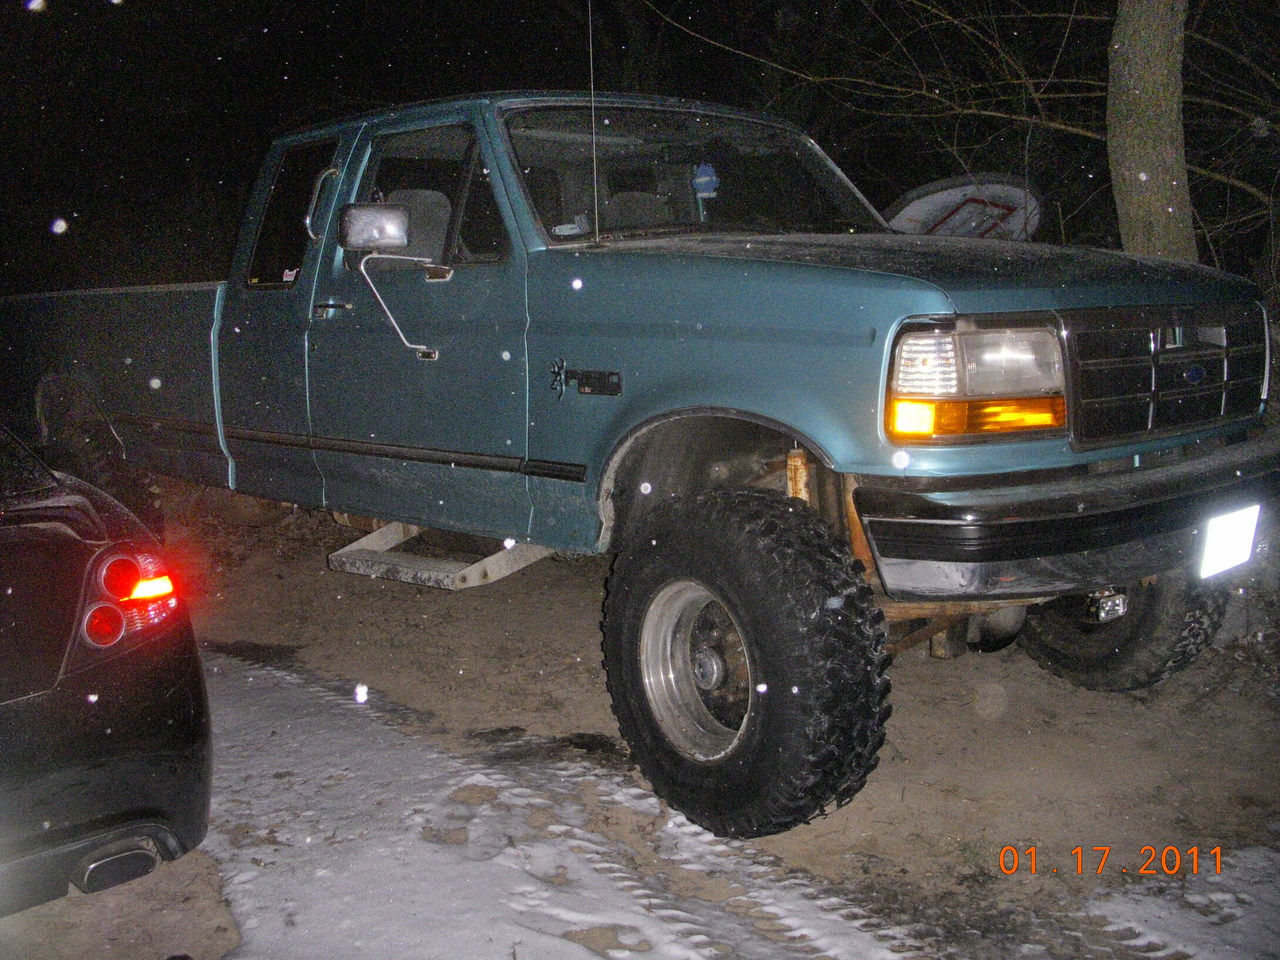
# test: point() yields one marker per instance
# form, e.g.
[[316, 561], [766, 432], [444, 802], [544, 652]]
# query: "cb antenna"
[[595, 157]]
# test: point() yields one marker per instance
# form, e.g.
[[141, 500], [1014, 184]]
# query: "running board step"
[[374, 555]]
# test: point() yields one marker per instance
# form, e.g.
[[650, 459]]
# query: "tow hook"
[[1107, 605]]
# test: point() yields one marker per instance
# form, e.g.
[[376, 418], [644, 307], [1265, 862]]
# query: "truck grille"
[[1150, 371]]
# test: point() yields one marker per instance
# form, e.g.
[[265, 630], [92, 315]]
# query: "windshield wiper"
[[677, 229]]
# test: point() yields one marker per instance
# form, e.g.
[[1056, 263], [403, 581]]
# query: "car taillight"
[[152, 588], [103, 625], [118, 576], [133, 594]]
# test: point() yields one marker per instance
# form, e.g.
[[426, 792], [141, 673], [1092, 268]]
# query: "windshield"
[[678, 171]]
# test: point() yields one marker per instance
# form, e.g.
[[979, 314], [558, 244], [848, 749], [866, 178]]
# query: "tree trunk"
[[1144, 129]]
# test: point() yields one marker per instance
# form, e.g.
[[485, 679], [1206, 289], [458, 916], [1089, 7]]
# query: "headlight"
[[949, 385]]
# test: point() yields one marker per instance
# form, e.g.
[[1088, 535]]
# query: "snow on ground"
[[1229, 916], [341, 832], [341, 835]]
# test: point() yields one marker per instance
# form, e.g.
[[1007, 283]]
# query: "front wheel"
[[745, 661], [1168, 622]]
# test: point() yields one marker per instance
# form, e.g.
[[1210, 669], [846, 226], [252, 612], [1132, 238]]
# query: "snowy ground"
[[342, 830], [340, 834], [1232, 914]]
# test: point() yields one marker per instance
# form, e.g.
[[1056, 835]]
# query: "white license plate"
[[1228, 540]]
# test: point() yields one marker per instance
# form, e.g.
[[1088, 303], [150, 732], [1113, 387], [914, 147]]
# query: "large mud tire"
[[1169, 622], [745, 661]]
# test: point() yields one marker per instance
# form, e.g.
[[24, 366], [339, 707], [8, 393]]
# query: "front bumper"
[[1003, 539]]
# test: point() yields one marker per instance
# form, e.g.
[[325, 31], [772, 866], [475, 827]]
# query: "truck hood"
[[980, 276]]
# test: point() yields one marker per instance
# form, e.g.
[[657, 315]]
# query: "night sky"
[[140, 123]]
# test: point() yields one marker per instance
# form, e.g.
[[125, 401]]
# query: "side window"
[[439, 176], [482, 236], [547, 191], [282, 236]]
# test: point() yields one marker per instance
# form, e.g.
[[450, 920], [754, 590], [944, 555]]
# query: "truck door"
[[416, 375], [259, 342]]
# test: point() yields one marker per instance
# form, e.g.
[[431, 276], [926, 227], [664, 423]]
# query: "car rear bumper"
[[112, 763], [1012, 540]]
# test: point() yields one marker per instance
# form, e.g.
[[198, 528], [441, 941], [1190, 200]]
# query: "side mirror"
[[374, 226]]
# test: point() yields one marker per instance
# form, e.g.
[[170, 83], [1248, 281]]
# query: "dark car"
[[104, 723]]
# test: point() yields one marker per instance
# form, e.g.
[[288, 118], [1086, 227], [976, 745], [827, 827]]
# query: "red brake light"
[[103, 624], [120, 577], [152, 588]]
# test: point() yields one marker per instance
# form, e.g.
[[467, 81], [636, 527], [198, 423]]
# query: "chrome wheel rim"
[[697, 675]]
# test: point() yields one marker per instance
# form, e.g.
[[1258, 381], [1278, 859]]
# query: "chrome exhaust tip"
[[117, 863]]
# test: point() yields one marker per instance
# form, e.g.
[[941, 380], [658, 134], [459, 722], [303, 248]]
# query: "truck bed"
[[141, 353]]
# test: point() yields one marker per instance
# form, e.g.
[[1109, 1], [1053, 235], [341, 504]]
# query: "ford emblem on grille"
[[1194, 374]]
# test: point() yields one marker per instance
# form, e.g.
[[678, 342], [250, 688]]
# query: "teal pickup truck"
[[677, 334]]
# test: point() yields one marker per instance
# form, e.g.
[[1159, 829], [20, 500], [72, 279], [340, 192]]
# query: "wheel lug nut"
[[708, 669]]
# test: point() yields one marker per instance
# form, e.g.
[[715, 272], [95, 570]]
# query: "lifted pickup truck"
[[676, 333]]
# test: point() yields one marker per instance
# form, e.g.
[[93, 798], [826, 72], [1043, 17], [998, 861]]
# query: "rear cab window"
[[282, 240]]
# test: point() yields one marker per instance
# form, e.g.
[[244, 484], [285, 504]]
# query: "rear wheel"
[[745, 661], [86, 448], [1167, 624]]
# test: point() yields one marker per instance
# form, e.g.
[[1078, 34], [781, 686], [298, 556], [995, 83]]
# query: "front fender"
[[792, 344]]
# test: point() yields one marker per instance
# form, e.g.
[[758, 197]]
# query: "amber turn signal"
[[918, 419]]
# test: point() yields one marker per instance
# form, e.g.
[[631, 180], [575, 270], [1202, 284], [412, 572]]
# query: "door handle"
[[326, 310], [315, 196]]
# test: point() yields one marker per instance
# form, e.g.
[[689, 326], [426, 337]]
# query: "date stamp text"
[[1151, 861]]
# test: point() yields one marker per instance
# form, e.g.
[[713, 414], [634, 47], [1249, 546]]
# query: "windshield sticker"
[[705, 182], [581, 224]]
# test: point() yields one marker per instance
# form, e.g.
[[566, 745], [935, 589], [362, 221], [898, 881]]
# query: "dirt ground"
[[984, 753]]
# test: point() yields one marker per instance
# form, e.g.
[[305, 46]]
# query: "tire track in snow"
[[1230, 915], [337, 831]]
